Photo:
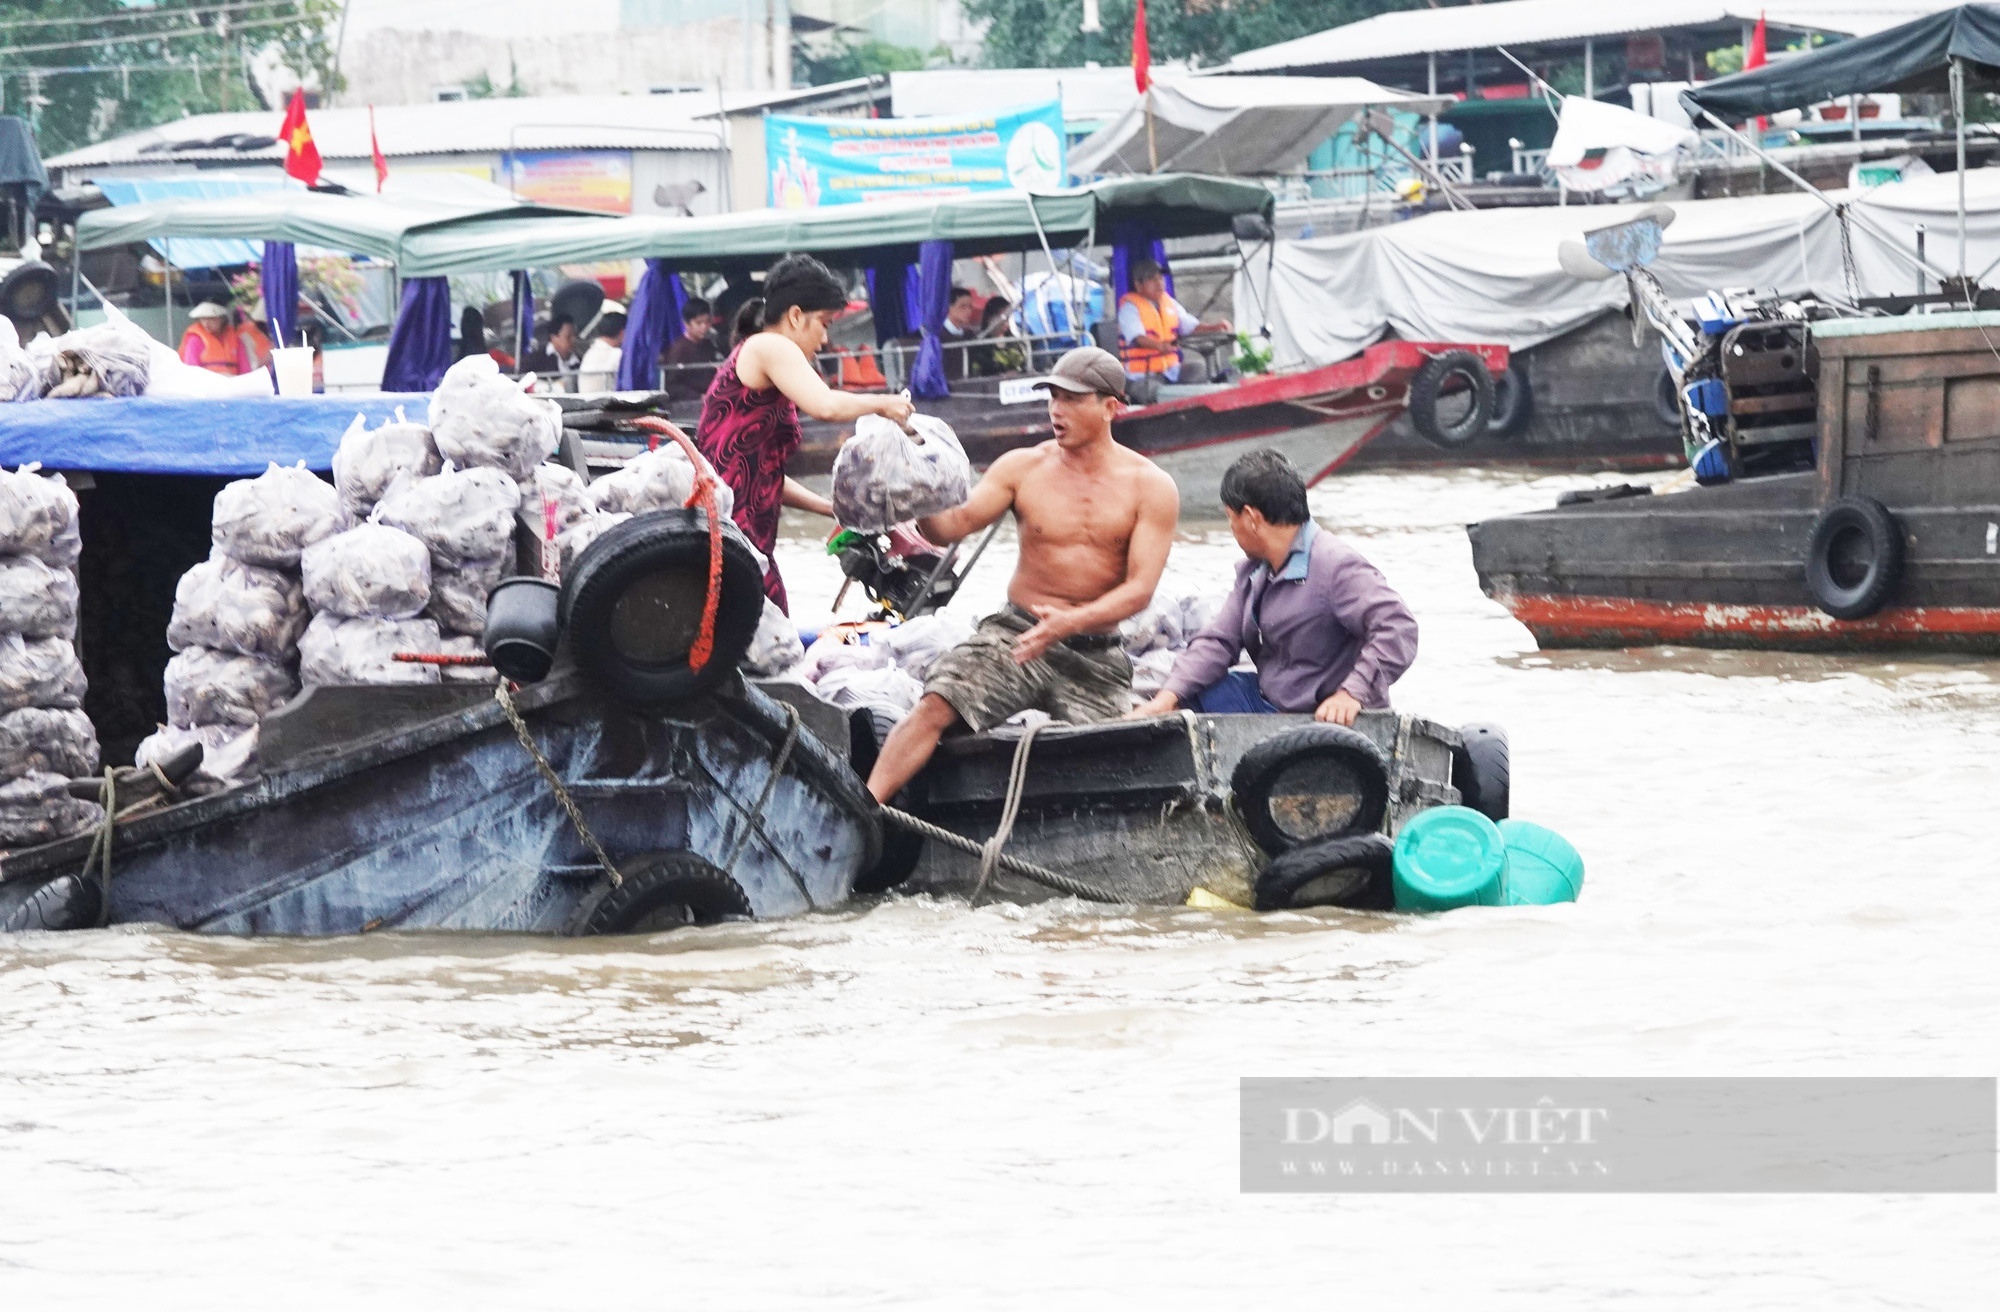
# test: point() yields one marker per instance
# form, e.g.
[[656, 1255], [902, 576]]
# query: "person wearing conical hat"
[[210, 341]]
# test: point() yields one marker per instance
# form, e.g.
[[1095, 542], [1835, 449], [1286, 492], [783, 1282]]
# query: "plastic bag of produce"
[[219, 687], [369, 572], [15, 370], [660, 479], [458, 596], [35, 740], [36, 598], [916, 644], [460, 644], [37, 808], [482, 420], [775, 647], [888, 687], [572, 541], [1197, 613], [558, 488], [112, 358], [369, 460], [39, 672], [830, 652], [338, 650], [1156, 628], [38, 517], [461, 514], [228, 753], [229, 606], [883, 476], [270, 519]]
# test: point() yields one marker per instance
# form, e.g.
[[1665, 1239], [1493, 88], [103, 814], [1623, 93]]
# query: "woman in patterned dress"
[[750, 417]]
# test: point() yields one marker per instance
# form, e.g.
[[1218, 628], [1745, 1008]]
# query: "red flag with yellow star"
[[301, 155]]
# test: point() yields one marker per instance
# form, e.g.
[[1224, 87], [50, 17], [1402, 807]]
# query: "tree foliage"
[[1044, 33], [817, 63], [104, 67]]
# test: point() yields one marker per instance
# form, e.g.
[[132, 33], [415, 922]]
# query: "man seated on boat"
[[960, 330], [1096, 521], [691, 360], [1151, 326], [1326, 631]]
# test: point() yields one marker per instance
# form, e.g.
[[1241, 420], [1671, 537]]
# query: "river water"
[[915, 1104]]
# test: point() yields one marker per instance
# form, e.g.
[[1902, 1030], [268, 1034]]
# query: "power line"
[[138, 38], [141, 14]]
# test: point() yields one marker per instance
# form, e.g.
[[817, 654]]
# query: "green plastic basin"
[[1542, 867]]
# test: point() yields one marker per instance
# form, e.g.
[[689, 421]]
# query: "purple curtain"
[[896, 312], [1121, 260], [280, 274], [652, 323], [420, 346], [927, 379], [524, 318]]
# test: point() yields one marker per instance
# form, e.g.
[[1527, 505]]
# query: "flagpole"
[[1152, 146]]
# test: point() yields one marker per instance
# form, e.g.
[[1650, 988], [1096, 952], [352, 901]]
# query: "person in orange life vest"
[[210, 341], [1151, 325], [254, 345]]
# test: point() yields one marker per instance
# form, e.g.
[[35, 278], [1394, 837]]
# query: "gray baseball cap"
[[1086, 369]]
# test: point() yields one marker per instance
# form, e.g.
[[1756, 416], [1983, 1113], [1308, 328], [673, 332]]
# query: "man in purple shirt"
[[1327, 632]]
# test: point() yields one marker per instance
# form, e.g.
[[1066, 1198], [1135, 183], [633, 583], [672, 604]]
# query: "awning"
[[198, 252], [1236, 125], [1913, 57]]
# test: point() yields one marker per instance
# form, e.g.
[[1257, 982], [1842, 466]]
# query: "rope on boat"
[[754, 821], [703, 496], [1026, 869], [506, 700], [1017, 782]]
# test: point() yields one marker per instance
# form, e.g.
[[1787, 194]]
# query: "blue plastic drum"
[[1449, 856]]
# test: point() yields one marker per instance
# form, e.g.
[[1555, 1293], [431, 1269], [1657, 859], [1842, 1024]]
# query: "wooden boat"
[[417, 807], [1887, 537]]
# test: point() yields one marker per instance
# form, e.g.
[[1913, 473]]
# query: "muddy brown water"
[[914, 1104]]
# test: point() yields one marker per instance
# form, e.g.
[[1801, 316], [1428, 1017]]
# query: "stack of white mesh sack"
[[465, 520], [483, 421], [238, 620], [660, 479], [45, 738]]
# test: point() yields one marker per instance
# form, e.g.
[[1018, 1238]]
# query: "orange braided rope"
[[705, 484]]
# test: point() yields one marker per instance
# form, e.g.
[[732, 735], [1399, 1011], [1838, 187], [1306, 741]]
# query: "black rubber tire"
[[1513, 402], [670, 545], [1855, 558], [1482, 770], [1351, 872], [1258, 772], [1428, 386], [662, 891], [1666, 399], [65, 902], [868, 727]]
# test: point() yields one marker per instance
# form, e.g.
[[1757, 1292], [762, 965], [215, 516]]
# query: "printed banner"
[[580, 179], [843, 161]]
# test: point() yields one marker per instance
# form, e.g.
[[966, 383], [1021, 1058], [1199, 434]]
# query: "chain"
[[506, 700]]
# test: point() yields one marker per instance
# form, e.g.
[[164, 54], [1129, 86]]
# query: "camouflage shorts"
[[1082, 684]]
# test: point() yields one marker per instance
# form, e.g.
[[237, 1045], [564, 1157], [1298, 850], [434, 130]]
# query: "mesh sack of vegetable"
[[271, 519], [229, 606]]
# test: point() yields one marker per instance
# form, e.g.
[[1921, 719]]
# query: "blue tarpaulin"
[[177, 435], [194, 252]]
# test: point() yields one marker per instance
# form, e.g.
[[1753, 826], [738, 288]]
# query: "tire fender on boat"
[[1855, 558], [1314, 782], [1447, 375], [632, 605], [1513, 402], [660, 891], [1482, 770], [1353, 872], [868, 727], [65, 902]]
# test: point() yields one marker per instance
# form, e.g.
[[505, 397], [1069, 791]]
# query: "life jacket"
[[1157, 321], [218, 355], [253, 347], [858, 369]]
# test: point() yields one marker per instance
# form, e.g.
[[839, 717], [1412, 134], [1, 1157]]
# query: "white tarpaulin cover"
[[1235, 125], [1599, 146], [1492, 276]]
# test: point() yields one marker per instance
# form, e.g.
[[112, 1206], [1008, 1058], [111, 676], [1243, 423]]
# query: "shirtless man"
[[1096, 521]]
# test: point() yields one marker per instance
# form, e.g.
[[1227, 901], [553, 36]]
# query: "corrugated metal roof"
[[465, 127], [1414, 32]]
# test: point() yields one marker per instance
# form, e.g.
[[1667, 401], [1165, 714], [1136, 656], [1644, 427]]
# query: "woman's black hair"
[[803, 281], [749, 319]]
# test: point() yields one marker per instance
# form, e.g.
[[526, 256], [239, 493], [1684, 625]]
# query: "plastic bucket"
[[1449, 856], [1542, 867], [293, 368], [522, 627]]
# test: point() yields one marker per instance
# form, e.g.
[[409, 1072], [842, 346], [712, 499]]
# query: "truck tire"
[[1513, 402], [663, 891], [632, 605], [1314, 782], [1855, 558], [868, 727], [65, 902], [1482, 770], [1452, 374], [1352, 872]]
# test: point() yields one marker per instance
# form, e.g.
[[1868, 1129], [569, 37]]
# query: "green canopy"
[[432, 238], [1913, 57], [361, 225]]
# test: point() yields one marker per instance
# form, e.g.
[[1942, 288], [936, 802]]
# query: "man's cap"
[[1086, 369], [208, 310]]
